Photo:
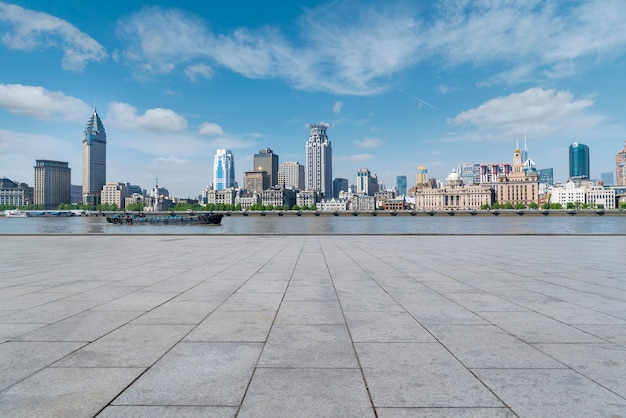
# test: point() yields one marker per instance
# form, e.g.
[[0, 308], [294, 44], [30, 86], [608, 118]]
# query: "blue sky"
[[402, 84]]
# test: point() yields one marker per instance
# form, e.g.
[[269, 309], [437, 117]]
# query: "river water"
[[309, 224]]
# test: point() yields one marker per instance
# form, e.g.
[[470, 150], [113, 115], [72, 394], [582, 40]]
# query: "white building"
[[319, 161], [333, 205], [580, 193], [224, 170]]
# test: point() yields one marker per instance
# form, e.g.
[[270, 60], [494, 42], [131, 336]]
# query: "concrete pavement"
[[312, 326]]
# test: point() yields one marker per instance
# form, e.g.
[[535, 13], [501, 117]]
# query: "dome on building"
[[453, 176], [453, 179]]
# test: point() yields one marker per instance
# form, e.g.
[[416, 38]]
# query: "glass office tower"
[[579, 161]]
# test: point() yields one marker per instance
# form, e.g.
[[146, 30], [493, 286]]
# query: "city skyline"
[[401, 85]]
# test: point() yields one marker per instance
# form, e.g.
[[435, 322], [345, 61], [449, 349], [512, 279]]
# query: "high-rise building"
[[94, 160], [607, 178], [366, 183], [291, 175], [421, 176], [620, 167], [319, 161], [52, 183], [340, 185], [224, 169], [401, 185], [578, 161], [546, 176], [266, 160]]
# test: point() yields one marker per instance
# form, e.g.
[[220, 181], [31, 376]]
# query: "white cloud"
[[210, 129], [40, 103], [369, 143], [32, 30], [358, 50], [535, 110], [337, 107], [354, 158], [124, 116], [195, 71]]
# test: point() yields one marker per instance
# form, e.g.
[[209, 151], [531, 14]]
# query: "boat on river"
[[199, 219], [16, 213]]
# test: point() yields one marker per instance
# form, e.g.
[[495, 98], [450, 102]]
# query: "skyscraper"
[[620, 167], [94, 160], [319, 161], [401, 185], [52, 183], [224, 169], [578, 161], [291, 175], [266, 160], [340, 185]]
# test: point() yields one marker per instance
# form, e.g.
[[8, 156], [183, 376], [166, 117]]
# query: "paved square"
[[312, 326]]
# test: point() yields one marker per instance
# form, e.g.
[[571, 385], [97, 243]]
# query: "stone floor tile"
[[536, 328], [487, 346], [445, 413], [115, 411], [86, 326], [131, 345], [386, 327], [305, 313], [420, 375], [552, 393], [252, 302], [10, 331], [18, 360], [613, 333], [252, 326], [196, 374], [175, 312], [604, 363], [65, 392], [307, 393], [320, 346]]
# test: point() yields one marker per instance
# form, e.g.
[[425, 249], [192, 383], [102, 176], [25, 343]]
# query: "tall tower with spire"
[[94, 160]]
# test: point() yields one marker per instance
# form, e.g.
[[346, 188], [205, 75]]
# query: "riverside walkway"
[[313, 326]]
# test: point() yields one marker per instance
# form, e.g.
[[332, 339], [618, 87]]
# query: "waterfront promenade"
[[312, 326]]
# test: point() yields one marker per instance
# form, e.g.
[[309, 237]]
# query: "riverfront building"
[[267, 161], [319, 161], [366, 182], [52, 183], [579, 161], [291, 175], [114, 193], [224, 169], [454, 196], [620, 167], [15, 194], [256, 181], [94, 160], [520, 186]]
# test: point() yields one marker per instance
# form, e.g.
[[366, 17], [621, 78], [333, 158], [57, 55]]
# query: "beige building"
[[519, 186], [620, 167], [291, 175], [256, 181], [52, 183], [216, 197], [114, 193], [454, 196]]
